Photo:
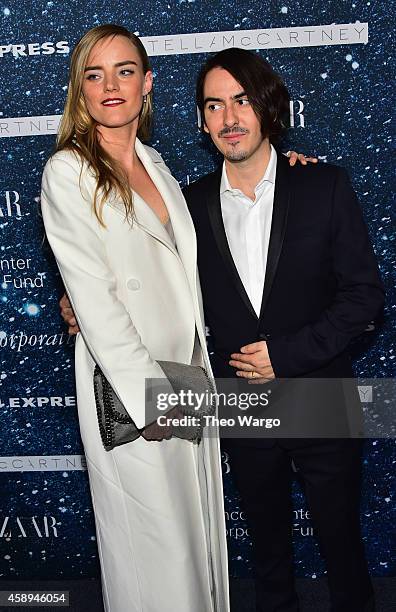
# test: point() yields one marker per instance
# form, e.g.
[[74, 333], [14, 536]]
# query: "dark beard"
[[236, 156]]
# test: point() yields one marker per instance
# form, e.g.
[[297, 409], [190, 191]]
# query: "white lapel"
[[182, 224], [183, 227], [148, 221], [144, 216]]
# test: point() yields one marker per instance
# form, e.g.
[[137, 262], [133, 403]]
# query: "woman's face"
[[114, 83]]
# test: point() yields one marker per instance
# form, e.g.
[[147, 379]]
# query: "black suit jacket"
[[322, 287]]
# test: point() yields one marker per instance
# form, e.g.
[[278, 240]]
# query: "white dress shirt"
[[248, 225]]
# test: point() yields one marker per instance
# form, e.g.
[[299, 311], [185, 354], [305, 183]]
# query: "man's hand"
[[68, 315], [253, 362], [294, 157]]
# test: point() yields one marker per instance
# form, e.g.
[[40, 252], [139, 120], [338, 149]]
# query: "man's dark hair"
[[264, 88]]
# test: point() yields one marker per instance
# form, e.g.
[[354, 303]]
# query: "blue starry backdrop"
[[46, 520]]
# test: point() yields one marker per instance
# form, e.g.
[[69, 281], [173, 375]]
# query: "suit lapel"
[[278, 226], [216, 220]]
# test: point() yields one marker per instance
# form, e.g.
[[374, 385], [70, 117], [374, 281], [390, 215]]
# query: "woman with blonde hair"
[[125, 245]]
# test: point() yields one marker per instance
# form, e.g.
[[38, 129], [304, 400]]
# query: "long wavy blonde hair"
[[78, 130]]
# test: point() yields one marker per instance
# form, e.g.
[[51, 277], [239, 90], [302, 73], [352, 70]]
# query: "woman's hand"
[[294, 157], [156, 433]]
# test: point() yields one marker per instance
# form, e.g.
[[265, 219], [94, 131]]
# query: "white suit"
[[158, 505]]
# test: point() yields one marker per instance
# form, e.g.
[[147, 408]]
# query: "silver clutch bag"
[[116, 426]]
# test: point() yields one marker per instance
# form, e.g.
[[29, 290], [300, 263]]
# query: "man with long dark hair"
[[289, 278]]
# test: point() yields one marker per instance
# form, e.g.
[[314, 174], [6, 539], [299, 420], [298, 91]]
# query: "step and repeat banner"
[[334, 58]]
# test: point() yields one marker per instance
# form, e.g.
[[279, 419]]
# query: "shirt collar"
[[269, 176]]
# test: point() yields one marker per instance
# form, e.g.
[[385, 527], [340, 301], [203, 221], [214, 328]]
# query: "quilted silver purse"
[[116, 426]]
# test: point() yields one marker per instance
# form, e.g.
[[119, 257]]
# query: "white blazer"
[[137, 300]]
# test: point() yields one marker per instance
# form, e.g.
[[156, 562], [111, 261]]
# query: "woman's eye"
[[92, 77], [126, 72], [243, 101]]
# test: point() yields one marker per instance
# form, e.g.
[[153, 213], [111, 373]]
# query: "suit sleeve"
[[76, 240], [358, 299]]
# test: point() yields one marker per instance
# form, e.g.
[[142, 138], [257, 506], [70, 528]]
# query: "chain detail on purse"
[[117, 427]]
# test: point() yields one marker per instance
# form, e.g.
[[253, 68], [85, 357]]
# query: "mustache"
[[233, 130]]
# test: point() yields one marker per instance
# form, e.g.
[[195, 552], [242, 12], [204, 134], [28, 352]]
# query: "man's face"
[[229, 117]]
